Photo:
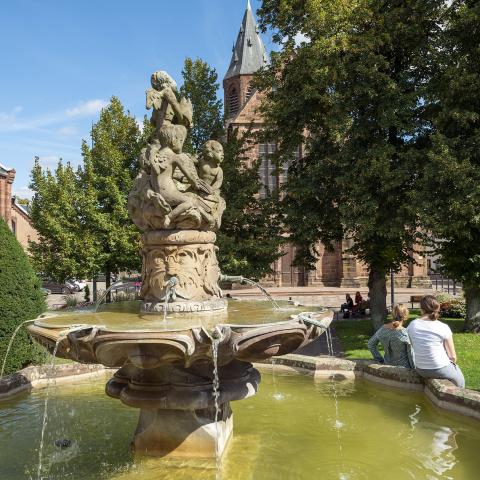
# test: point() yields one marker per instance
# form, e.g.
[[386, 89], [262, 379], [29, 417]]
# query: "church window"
[[249, 92], [14, 227], [232, 101]]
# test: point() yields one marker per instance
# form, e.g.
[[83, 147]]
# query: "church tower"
[[248, 56]]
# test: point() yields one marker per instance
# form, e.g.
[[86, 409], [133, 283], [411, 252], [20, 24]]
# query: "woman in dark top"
[[394, 338]]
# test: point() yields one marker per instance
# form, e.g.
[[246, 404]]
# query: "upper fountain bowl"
[[248, 331]]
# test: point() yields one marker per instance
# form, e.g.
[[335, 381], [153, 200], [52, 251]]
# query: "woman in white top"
[[432, 343]]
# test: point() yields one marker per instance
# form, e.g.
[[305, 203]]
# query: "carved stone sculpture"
[[169, 374], [176, 191]]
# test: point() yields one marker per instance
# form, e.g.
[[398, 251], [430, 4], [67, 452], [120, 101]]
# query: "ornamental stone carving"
[[177, 192]]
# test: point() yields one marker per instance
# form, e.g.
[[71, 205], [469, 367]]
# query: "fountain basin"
[[168, 370], [287, 430]]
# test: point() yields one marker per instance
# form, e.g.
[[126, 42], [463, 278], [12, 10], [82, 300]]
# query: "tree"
[[66, 247], [357, 86], [250, 237], [450, 192], [106, 178], [20, 299], [201, 87], [81, 215]]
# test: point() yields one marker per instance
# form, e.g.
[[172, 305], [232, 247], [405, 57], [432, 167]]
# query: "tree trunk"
[[377, 288], [94, 289], [472, 298], [108, 298]]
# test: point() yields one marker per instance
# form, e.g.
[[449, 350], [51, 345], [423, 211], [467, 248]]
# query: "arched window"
[[232, 101], [249, 92]]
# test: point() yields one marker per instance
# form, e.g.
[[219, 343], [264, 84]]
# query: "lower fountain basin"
[[290, 429], [168, 368]]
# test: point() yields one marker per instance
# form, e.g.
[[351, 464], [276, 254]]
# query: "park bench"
[[415, 299]]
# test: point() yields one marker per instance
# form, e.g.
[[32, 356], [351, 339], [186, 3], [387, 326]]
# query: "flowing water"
[[113, 286], [264, 291], [386, 433], [216, 394], [10, 343], [50, 375]]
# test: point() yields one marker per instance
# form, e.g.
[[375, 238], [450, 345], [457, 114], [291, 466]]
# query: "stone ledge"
[[38, 377], [442, 393]]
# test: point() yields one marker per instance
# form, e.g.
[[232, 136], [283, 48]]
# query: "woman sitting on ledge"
[[394, 338], [432, 342]]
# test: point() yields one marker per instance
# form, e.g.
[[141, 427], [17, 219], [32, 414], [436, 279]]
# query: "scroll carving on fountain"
[[176, 202], [169, 373]]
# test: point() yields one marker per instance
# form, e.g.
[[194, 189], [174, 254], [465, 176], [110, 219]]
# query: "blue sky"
[[61, 60]]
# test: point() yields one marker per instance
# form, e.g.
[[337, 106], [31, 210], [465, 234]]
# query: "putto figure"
[[169, 192], [176, 202]]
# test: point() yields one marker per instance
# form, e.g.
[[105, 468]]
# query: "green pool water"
[[292, 429], [125, 316]]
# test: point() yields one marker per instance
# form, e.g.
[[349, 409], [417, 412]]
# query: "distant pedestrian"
[[394, 339], [432, 343], [347, 307]]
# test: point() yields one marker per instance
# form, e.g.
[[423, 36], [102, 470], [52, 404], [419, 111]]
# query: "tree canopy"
[[250, 237], [450, 193], [201, 88], [353, 92], [81, 215]]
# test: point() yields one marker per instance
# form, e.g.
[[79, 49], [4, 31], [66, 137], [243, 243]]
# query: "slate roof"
[[249, 53], [4, 170]]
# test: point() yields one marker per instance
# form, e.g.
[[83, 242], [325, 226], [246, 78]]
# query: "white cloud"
[[49, 161], [301, 38], [23, 192], [90, 107], [139, 124], [67, 131]]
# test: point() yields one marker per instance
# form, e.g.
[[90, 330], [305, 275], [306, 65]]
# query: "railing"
[[444, 284]]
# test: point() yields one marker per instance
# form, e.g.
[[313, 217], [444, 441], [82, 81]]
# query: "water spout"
[[105, 293], [170, 294], [247, 281]]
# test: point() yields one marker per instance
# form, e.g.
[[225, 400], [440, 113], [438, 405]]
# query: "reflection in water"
[[440, 458], [273, 440]]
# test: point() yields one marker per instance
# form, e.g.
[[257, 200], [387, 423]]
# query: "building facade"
[[15, 215], [334, 268]]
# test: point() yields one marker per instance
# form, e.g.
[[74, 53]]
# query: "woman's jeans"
[[451, 372]]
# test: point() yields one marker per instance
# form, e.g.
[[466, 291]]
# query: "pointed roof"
[[249, 53]]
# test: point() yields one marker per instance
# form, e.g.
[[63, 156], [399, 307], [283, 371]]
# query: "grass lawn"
[[354, 335]]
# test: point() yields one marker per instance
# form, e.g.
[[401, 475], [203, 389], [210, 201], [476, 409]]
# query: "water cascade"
[[10, 343]]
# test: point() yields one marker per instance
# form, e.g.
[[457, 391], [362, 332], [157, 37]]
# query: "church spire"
[[249, 53]]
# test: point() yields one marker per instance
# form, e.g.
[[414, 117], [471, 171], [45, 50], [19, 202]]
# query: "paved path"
[[324, 296]]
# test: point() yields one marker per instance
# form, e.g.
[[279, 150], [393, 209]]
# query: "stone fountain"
[[170, 373]]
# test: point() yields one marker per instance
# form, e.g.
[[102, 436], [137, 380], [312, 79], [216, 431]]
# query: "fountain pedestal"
[[183, 433], [177, 406], [190, 257]]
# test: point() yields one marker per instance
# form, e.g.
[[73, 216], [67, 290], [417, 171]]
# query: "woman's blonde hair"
[[400, 314], [430, 307]]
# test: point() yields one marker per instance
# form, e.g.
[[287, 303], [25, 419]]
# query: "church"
[[333, 268]]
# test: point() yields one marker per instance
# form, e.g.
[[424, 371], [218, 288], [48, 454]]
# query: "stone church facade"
[[15, 215], [336, 268]]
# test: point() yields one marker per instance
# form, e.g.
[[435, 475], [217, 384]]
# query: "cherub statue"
[[168, 156], [168, 107], [209, 162]]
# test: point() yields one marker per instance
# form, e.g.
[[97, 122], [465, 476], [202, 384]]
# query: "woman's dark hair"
[[430, 306]]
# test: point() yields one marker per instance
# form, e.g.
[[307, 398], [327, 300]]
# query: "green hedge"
[[20, 299]]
